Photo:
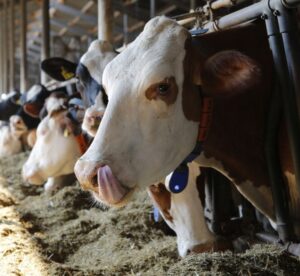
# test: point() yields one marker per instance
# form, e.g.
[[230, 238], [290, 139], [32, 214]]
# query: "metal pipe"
[[273, 161], [292, 248], [45, 51], [291, 116], [23, 46], [12, 46], [288, 28], [292, 93], [125, 29], [244, 15], [152, 8]]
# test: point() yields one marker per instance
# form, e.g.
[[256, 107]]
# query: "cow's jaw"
[[142, 138]]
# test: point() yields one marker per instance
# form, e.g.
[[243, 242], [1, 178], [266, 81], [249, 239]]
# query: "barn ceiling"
[[73, 18]]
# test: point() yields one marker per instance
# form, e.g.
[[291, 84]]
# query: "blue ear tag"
[[179, 179]]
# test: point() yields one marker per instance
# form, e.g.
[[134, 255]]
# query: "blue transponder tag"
[[179, 179], [196, 32], [156, 214]]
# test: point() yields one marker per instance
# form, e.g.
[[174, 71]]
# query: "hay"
[[66, 234]]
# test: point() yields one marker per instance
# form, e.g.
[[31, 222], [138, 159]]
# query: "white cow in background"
[[56, 149]]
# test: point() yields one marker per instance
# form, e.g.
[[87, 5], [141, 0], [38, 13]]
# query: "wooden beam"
[[5, 47], [91, 19], [45, 51], [23, 46], [105, 20], [1, 50], [76, 30], [12, 45]]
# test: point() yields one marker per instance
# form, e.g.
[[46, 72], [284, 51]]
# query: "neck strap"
[[179, 178]]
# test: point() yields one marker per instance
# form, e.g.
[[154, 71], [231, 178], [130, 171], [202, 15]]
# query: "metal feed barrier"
[[281, 26]]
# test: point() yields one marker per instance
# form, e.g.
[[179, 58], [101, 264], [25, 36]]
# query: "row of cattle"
[[144, 111]]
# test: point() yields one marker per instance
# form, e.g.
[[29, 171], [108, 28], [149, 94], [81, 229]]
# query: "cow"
[[9, 143], [184, 213], [59, 144], [33, 101], [88, 71], [9, 105], [157, 89]]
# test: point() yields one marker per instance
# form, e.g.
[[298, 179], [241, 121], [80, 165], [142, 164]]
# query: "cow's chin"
[[123, 201]]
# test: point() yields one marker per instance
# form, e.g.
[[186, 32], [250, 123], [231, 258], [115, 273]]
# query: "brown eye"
[[163, 89]]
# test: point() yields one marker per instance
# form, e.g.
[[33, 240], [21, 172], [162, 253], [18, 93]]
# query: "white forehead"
[[99, 54], [33, 91], [156, 53]]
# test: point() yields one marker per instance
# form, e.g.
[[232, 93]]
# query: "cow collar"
[[82, 142], [81, 139], [179, 177]]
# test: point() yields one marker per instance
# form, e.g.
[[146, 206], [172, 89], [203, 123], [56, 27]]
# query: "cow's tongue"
[[109, 188]]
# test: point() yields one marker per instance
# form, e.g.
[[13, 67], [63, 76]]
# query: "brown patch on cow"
[[152, 92], [191, 94], [236, 136], [229, 72], [162, 198], [216, 246], [33, 109]]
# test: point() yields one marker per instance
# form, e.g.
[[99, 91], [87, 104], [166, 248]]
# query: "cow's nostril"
[[188, 252]]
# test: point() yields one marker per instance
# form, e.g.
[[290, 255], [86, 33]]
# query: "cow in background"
[[9, 105], [59, 144], [89, 74]]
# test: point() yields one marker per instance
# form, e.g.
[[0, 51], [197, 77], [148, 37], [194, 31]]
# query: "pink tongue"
[[109, 188]]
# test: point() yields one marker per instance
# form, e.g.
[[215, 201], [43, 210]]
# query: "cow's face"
[[93, 115], [9, 142], [184, 212], [55, 151], [151, 122], [17, 126]]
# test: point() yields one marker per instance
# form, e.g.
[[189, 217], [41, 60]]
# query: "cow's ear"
[[229, 73], [59, 69]]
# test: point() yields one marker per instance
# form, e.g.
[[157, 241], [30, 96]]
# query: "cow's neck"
[[236, 139]]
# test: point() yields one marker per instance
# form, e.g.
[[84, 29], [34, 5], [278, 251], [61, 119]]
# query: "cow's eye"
[[163, 89]]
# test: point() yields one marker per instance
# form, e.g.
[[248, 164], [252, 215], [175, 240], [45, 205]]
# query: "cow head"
[[184, 213], [33, 100], [89, 70], [56, 149], [154, 104], [9, 142]]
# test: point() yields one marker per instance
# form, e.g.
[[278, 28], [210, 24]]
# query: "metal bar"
[[247, 14], [12, 46], [273, 161], [152, 8], [105, 20], [292, 94], [45, 51], [125, 29], [23, 46], [288, 28]]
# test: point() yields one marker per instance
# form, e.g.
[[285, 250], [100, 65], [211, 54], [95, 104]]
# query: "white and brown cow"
[[89, 72], [59, 144], [184, 213], [155, 88]]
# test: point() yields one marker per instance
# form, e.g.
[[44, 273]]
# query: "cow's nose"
[[94, 118], [86, 173]]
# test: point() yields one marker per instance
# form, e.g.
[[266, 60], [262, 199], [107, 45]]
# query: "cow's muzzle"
[[99, 179]]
